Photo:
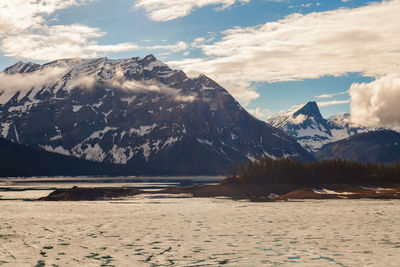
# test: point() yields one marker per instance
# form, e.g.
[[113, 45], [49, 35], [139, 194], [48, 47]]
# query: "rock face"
[[137, 112], [310, 129], [374, 146]]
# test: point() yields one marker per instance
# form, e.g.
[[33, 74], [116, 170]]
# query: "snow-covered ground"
[[161, 231]]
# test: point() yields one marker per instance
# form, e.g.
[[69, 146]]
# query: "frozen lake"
[[163, 231]]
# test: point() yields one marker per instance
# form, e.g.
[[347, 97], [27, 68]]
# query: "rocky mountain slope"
[[374, 146], [22, 160], [137, 112], [310, 129]]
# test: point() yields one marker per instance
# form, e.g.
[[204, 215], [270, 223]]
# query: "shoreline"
[[251, 192]]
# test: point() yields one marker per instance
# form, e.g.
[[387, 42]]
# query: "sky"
[[271, 55]]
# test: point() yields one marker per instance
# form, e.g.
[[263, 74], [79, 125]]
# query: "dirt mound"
[[77, 193]]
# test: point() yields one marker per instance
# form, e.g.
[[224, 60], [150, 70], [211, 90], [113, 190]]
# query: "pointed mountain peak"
[[150, 58], [309, 109]]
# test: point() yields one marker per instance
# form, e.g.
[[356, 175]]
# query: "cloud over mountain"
[[376, 103]]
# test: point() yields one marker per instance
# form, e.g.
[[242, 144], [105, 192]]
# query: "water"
[[161, 231]]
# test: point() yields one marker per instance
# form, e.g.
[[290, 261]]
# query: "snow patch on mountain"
[[121, 155], [90, 152], [143, 130], [5, 127], [204, 141], [170, 141], [58, 149], [76, 108]]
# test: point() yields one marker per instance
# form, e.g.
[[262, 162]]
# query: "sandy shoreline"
[[235, 191]]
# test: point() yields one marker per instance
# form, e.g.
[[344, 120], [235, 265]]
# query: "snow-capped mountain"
[[310, 129], [341, 127], [136, 112]]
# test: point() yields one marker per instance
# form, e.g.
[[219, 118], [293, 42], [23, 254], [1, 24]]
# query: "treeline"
[[287, 171]]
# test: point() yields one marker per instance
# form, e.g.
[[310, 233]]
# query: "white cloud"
[[82, 81], [299, 119], [376, 104], [37, 78], [165, 10], [306, 5], [119, 81], [69, 41], [185, 98], [25, 82], [52, 42], [49, 76], [25, 33], [179, 46], [260, 113], [332, 103], [325, 96], [198, 42], [19, 15], [122, 47], [331, 95], [365, 40]]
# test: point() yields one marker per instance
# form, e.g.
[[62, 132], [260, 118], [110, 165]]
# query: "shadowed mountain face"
[[22, 160], [375, 146], [310, 129], [137, 112]]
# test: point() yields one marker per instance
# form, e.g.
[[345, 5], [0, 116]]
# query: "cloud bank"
[[376, 104], [119, 81], [364, 40], [28, 84], [20, 15], [26, 33], [25, 83]]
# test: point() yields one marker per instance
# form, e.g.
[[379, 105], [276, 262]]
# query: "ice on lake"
[[163, 231]]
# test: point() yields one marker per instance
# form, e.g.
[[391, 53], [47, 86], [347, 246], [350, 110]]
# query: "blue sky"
[[271, 55]]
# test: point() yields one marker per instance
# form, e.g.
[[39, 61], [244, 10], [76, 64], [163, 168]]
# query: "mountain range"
[[311, 130], [135, 112], [336, 137]]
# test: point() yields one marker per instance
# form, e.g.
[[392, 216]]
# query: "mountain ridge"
[[135, 111], [375, 146]]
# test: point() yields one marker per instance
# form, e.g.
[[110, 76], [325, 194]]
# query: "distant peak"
[[150, 57], [21, 67], [309, 109], [17, 64], [311, 104]]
